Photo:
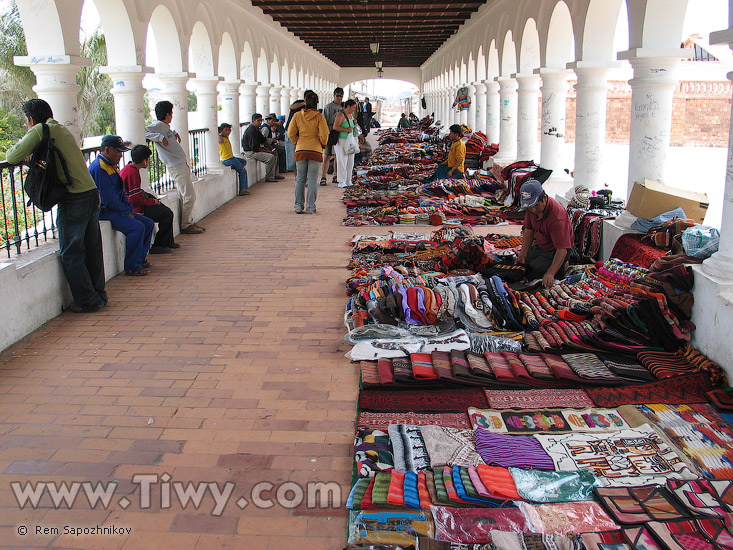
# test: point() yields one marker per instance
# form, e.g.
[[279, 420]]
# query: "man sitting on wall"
[[269, 130], [116, 208], [254, 146], [547, 236]]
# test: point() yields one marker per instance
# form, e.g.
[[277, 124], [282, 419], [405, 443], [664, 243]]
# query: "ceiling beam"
[[372, 5]]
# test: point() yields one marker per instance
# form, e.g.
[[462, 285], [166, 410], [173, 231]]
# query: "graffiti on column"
[[546, 102], [647, 108]]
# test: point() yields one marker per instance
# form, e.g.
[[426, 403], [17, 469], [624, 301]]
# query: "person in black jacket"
[[254, 146]]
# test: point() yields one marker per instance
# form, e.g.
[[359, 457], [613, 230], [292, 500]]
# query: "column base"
[[719, 268]]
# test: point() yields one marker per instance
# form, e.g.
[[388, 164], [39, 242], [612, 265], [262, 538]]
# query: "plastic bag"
[[700, 241], [351, 146], [469, 525], [388, 527], [573, 517]]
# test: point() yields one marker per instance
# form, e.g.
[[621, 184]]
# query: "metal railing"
[[23, 227]]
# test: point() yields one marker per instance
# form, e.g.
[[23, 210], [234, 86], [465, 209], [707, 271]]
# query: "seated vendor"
[[547, 237], [454, 166]]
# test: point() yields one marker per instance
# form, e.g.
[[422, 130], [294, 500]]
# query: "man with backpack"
[[77, 219]]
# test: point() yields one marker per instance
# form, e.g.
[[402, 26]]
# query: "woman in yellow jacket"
[[308, 130]]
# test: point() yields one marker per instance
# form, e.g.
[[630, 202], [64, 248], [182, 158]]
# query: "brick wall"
[[701, 114]]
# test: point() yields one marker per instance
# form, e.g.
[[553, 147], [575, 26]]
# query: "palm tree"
[[96, 104], [16, 83]]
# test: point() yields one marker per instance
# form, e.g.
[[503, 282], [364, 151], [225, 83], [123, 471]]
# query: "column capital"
[[480, 87], [207, 84], [492, 86], [470, 86], [51, 60], [635, 54], [526, 80], [722, 37], [126, 71], [248, 87], [229, 87], [590, 65]]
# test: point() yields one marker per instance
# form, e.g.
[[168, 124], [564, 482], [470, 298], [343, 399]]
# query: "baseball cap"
[[115, 142], [271, 115], [530, 193], [224, 125]]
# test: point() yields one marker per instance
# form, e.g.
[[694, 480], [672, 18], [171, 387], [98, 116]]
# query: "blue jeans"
[[307, 171], [239, 166], [441, 173], [80, 248], [289, 153], [138, 231]]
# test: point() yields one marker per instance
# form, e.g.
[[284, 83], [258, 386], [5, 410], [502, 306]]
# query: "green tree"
[[16, 83], [96, 104], [11, 130]]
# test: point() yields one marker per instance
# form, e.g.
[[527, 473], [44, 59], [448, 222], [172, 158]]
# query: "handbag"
[[333, 137]]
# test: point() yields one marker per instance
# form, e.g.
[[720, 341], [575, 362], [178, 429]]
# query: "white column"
[[229, 94], [293, 97], [263, 99], [652, 90], [129, 98], [173, 89], [472, 108], [479, 119], [464, 115], [554, 107], [206, 95], [720, 264], [493, 111], [528, 96], [591, 92], [274, 100], [508, 118], [455, 113], [284, 102], [56, 84], [247, 101]]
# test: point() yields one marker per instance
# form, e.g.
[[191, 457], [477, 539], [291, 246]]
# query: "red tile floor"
[[224, 365]]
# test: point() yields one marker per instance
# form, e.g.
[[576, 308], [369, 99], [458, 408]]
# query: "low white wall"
[[33, 288], [712, 314]]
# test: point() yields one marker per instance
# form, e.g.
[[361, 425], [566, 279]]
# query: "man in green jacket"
[[77, 218]]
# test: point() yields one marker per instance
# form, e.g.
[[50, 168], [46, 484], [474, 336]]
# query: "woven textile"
[[422, 400], [704, 497], [474, 525], [520, 451], [372, 452], [549, 486], [382, 420], [388, 527], [408, 448], [538, 399], [684, 389], [571, 517], [546, 420], [630, 457], [449, 447], [632, 505]]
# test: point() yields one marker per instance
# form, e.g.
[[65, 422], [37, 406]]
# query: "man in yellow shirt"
[[454, 166], [228, 158]]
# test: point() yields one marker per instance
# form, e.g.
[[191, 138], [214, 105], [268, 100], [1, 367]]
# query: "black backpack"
[[42, 184]]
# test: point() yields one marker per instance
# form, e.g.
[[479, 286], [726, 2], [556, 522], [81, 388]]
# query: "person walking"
[[168, 144], [346, 126], [309, 132], [330, 111], [77, 216]]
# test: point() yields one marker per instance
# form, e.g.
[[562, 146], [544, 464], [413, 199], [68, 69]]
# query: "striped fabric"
[[396, 491], [422, 366], [410, 491]]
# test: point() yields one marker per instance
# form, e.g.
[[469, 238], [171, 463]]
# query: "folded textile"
[[474, 525], [683, 389], [633, 505], [546, 420], [372, 452], [408, 449], [450, 446], [549, 486], [570, 517], [511, 450], [538, 399], [497, 481]]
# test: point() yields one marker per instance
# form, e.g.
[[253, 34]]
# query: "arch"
[[348, 75], [599, 30], [508, 56], [301, 78], [461, 74], [200, 55], [529, 49], [663, 23], [227, 58], [57, 35], [480, 65], [560, 49], [275, 70], [285, 74], [471, 71], [493, 66], [122, 44], [262, 69], [294, 82], [164, 31], [247, 64]]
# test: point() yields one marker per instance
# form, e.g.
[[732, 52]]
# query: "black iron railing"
[[23, 227]]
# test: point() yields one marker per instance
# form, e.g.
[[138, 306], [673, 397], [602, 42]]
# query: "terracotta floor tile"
[[214, 371]]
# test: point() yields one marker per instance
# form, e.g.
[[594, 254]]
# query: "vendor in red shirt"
[[547, 237], [147, 204]]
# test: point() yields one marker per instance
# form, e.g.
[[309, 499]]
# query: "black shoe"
[[74, 308], [174, 245], [160, 250]]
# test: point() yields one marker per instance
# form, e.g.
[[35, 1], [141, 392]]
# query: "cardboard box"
[[651, 198]]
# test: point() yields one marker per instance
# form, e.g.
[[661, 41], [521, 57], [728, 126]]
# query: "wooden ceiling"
[[408, 32]]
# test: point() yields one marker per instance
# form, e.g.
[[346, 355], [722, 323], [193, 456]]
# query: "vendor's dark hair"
[[456, 129], [163, 109], [38, 110], [139, 153], [307, 93], [255, 116], [311, 100], [338, 90], [349, 103]]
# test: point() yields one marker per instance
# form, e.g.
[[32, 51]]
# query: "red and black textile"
[[444, 400], [466, 254], [673, 391], [630, 248]]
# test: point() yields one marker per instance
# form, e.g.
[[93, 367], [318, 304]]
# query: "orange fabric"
[[498, 481]]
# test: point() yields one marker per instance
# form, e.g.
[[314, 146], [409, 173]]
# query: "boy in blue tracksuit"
[[116, 207]]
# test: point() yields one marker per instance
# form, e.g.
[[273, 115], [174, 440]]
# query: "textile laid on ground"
[[686, 389], [383, 420], [630, 457], [546, 420], [421, 400], [538, 399]]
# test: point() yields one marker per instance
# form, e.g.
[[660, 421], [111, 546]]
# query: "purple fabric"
[[421, 301], [519, 451], [409, 319]]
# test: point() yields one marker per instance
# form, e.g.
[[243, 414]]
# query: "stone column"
[[129, 97], [293, 97], [508, 117], [247, 101], [229, 94], [275, 96], [652, 89], [493, 111], [455, 113], [528, 95], [263, 99], [173, 89], [56, 84], [479, 123], [591, 92], [472, 108], [206, 96], [554, 107], [284, 102], [464, 115]]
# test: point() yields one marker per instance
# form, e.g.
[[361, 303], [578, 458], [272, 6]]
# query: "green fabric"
[[350, 125], [440, 490], [381, 490], [551, 486], [81, 180], [359, 491], [467, 484]]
